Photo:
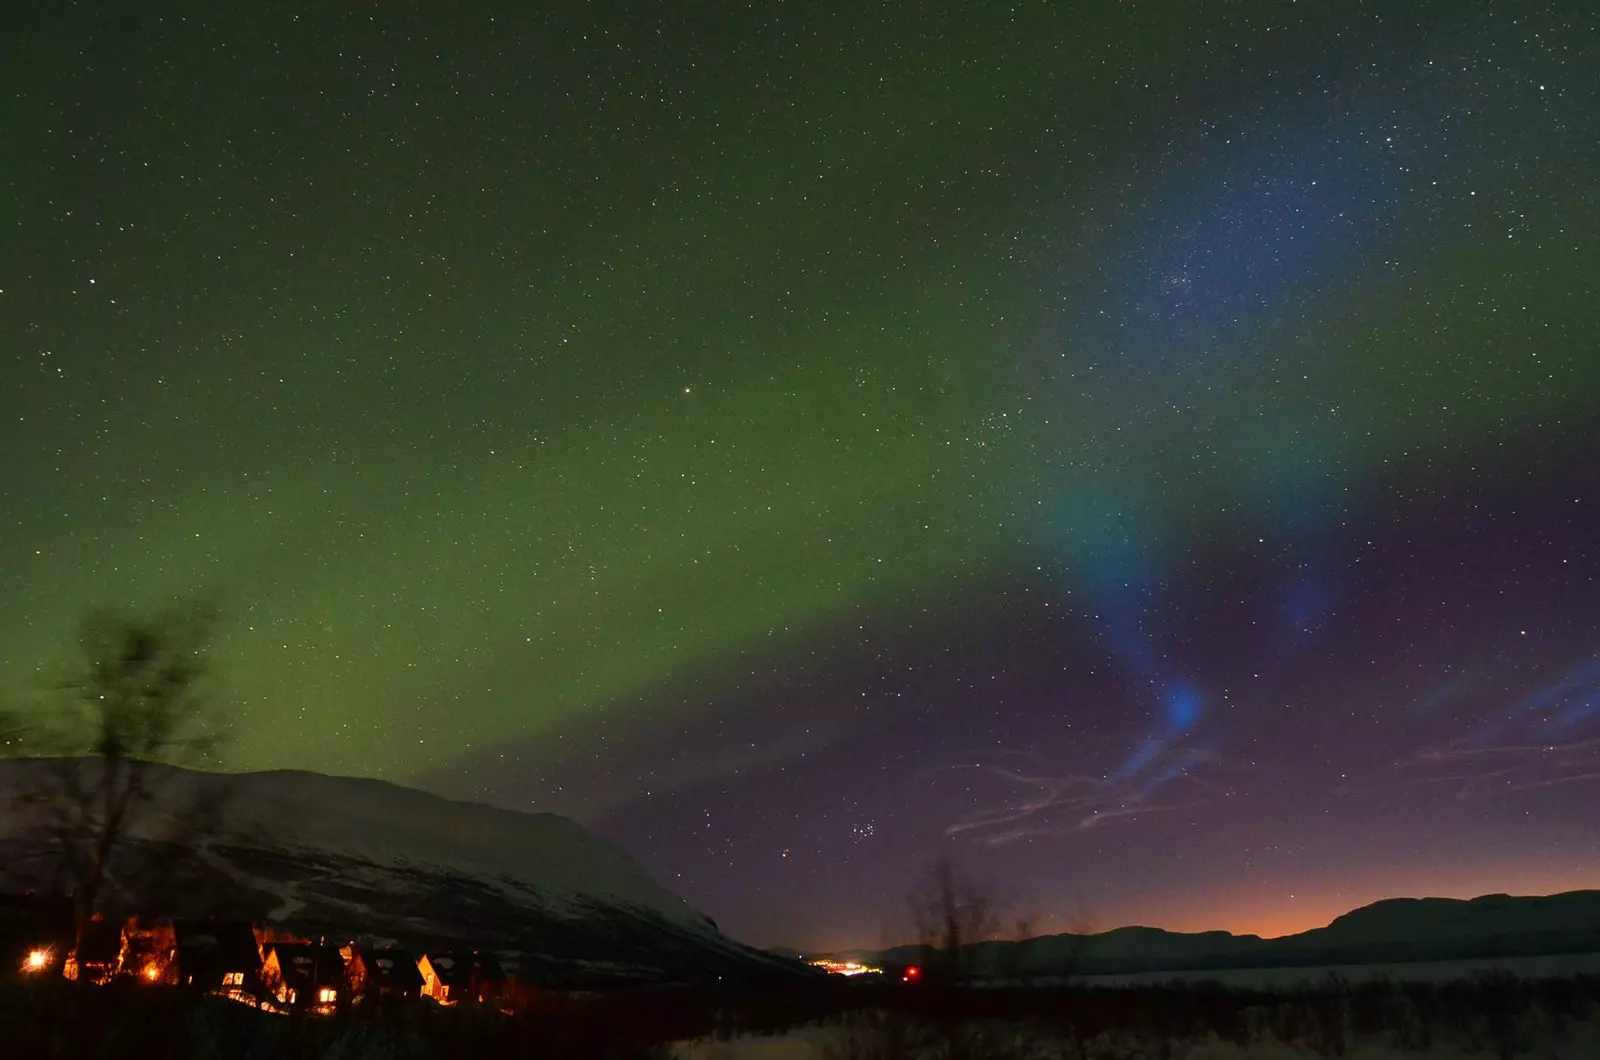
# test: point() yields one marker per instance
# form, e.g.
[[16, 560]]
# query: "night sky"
[[1148, 451]]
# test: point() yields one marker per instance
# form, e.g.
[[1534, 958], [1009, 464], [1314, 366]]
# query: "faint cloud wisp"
[[1041, 804]]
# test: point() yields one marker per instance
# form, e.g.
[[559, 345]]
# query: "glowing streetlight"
[[37, 960]]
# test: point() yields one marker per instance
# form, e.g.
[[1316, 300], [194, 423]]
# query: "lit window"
[[233, 979], [327, 995]]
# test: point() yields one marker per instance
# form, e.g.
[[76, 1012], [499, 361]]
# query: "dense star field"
[[1149, 451]]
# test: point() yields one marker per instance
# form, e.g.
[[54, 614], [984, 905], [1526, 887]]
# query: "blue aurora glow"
[[1229, 250]]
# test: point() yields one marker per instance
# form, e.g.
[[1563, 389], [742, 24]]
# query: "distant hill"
[[1393, 930], [337, 856]]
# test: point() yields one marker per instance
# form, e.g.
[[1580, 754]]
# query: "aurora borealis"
[[1149, 450]]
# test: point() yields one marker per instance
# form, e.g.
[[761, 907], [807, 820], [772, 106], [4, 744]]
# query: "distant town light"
[[833, 967], [913, 973]]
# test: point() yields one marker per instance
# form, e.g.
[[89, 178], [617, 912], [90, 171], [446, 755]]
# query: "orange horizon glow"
[[1294, 911], [1290, 911]]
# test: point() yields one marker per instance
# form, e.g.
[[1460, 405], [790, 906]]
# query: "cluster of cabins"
[[248, 963]]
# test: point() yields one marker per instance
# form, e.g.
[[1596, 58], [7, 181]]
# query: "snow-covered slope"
[[350, 857]]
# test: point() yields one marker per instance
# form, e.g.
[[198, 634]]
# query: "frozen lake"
[[1406, 971]]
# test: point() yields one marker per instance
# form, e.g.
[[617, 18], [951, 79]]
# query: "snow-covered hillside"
[[343, 856]]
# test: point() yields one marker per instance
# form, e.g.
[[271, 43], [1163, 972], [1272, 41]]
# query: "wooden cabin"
[[387, 973], [461, 978], [150, 951], [217, 956], [99, 955], [310, 976]]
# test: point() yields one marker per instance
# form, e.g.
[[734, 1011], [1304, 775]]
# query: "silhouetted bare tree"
[[950, 911], [138, 695]]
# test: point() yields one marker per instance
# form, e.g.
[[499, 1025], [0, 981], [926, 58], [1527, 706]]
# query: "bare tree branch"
[[949, 912], [138, 697]]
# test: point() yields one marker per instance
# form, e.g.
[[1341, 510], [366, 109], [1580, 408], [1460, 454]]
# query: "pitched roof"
[[308, 965], [102, 942], [392, 968], [456, 969], [216, 946]]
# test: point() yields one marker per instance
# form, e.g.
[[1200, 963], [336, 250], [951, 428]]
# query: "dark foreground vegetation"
[[1493, 1016], [1496, 1016], [59, 1019]]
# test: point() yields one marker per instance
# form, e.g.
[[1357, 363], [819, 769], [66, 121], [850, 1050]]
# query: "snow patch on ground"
[[1580, 1041]]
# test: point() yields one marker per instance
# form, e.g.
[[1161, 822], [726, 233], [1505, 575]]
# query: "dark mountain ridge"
[[1388, 931]]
